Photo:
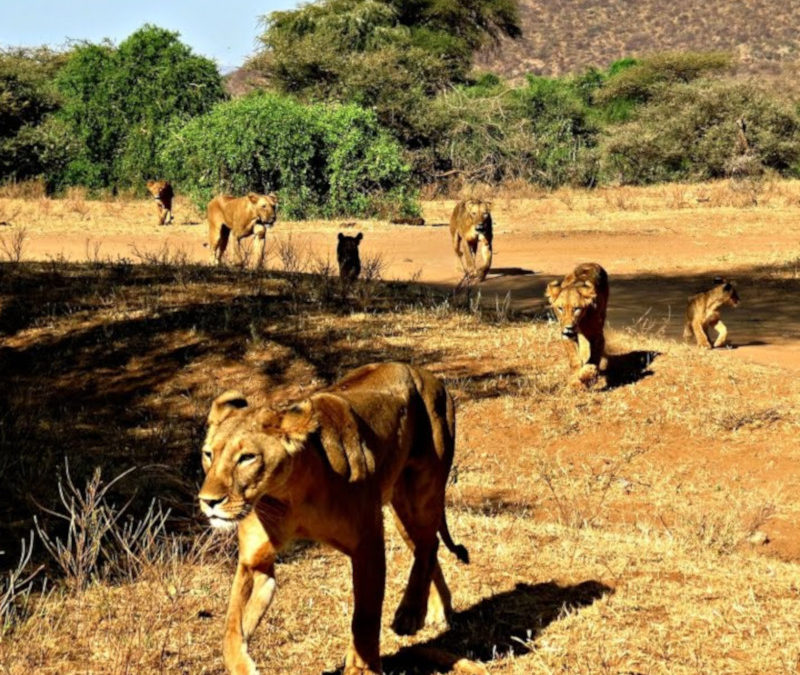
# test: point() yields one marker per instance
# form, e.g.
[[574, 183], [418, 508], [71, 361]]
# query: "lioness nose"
[[211, 502]]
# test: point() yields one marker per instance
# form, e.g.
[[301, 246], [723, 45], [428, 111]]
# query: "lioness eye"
[[246, 457], [576, 310], [207, 455], [560, 310]]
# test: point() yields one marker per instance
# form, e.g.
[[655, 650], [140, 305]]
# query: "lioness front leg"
[[700, 334], [458, 246], [486, 259], [722, 334], [369, 578], [260, 233], [234, 644]]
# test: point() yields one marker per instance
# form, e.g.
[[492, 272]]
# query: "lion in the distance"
[[321, 470], [580, 301], [244, 216], [703, 313], [348, 258], [162, 192], [471, 233]]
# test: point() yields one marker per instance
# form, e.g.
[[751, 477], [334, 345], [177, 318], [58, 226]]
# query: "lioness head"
[[265, 207], [479, 214], [347, 256], [247, 454], [724, 292], [157, 187], [571, 303]]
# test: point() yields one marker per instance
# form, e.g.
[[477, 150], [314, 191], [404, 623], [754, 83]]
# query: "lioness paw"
[[408, 620]]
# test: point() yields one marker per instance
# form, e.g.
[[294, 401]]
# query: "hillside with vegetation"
[[566, 36]]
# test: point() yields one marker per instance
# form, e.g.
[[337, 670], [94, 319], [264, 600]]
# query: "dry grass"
[[645, 527]]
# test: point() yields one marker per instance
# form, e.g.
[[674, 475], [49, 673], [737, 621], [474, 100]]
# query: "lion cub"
[[470, 230], [162, 192], [348, 258], [702, 313], [579, 302]]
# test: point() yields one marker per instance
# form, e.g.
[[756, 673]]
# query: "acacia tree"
[[120, 101], [389, 55]]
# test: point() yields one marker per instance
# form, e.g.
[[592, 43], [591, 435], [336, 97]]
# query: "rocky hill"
[[564, 36]]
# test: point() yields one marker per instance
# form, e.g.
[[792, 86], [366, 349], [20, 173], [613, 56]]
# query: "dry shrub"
[[12, 245], [27, 189], [75, 201], [675, 196], [16, 586]]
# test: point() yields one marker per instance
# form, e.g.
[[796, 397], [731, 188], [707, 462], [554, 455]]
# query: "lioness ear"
[[359, 237], [273, 198], [297, 424], [253, 197], [588, 290], [341, 236], [224, 405], [552, 291]]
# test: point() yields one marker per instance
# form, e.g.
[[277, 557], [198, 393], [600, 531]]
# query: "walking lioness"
[[471, 233], [703, 313], [321, 470], [579, 302], [244, 216], [162, 192]]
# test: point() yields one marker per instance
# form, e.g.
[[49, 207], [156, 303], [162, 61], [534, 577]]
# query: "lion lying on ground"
[[348, 258], [243, 216], [579, 302], [703, 313], [321, 470], [162, 192], [471, 230]]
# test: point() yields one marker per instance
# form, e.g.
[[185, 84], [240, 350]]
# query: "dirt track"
[[655, 257]]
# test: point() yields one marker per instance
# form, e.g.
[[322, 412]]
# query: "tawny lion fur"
[[580, 302], [703, 314], [163, 194], [471, 234], [243, 216], [322, 470]]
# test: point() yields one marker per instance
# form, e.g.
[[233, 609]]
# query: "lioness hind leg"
[[219, 243], [722, 334], [418, 522]]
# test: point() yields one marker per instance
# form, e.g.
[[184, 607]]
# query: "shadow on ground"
[[503, 624]]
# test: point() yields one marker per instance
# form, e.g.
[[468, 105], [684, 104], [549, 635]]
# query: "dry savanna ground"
[[646, 527]]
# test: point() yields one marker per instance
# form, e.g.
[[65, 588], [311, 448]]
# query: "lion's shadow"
[[495, 627], [628, 368]]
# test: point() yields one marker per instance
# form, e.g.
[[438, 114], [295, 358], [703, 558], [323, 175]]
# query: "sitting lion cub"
[[162, 192], [348, 258], [322, 470], [579, 302], [471, 230], [243, 216], [703, 313]]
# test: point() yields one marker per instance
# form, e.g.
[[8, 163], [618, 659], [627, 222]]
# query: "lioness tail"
[[460, 551]]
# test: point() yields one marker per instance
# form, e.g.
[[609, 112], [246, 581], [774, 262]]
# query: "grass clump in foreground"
[[610, 531]]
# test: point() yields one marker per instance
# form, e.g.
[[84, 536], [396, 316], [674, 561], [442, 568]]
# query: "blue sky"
[[223, 31]]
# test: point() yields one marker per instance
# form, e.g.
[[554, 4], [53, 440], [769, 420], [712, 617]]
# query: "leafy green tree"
[[322, 159], [389, 55], [120, 101], [27, 99]]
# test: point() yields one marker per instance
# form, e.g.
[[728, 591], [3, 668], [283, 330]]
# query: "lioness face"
[[265, 208], [479, 214], [725, 292], [570, 305], [245, 456], [347, 256]]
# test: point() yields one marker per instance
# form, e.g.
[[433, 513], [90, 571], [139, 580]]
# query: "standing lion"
[[703, 313], [471, 232], [244, 216], [163, 194], [580, 301], [321, 470], [348, 258]]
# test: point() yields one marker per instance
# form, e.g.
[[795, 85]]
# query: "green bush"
[[323, 160], [119, 102], [541, 132], [690, 133]]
